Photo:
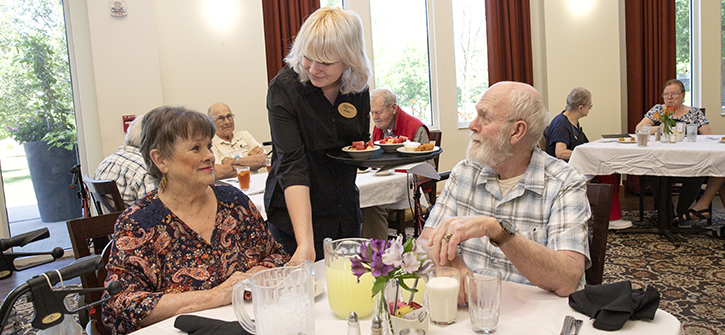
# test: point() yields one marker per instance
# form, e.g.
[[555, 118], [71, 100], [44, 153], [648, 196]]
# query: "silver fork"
[[566, 328], [577, 326]]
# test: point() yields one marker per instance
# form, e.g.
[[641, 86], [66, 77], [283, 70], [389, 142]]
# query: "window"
[[469, 29], [683, 25], [722, 54], [333, 3], [401, 63]]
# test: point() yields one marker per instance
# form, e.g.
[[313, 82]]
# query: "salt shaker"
[[353, 327], [377, 328]]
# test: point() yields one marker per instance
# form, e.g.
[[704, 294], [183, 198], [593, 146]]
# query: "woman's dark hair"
[[164, 125]]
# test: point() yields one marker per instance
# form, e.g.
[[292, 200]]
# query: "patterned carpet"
[[690, 278]]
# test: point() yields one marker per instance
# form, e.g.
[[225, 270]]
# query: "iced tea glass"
[[243, 177]]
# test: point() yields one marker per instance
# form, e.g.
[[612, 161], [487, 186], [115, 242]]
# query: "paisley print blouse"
[[155, 253]]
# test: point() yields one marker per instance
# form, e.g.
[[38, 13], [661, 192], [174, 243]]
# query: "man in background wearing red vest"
[[390, 120]]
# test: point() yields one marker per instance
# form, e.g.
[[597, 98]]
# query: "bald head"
[[223, 120]]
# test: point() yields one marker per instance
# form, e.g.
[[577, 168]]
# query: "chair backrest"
[[103, 192], [600, 199], [81, 232]]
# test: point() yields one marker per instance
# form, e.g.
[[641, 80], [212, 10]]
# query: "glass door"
[[37, 122]]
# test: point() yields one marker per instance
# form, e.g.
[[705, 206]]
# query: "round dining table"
[[525, 309]]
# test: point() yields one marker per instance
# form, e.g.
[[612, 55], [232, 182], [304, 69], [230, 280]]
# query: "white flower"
[[394, 254], [410, 262]]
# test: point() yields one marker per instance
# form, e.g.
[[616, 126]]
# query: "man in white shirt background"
[[233, 148]]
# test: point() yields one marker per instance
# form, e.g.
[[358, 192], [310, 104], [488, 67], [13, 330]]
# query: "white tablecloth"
[[525, 309], [705, 157], [389, 191]]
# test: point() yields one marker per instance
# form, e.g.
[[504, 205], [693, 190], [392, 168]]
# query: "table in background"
[[525, 309], [389, 191], [703, 158]]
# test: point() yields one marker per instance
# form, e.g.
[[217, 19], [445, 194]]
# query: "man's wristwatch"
[[508, 230]]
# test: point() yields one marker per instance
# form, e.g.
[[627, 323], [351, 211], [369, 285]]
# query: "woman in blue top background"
[[564, 134]]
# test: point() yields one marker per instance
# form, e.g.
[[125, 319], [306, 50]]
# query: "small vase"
[[382, 309], [665, 137]]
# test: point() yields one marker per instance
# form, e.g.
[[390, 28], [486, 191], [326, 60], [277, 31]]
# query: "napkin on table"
[[613, 304], [197, 325]]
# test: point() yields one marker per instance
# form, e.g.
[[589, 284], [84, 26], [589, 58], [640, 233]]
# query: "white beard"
[[489, 152]]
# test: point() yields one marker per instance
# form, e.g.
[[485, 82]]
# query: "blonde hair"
[[333, 35]]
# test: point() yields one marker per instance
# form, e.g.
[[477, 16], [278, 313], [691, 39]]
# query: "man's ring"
[[447, 237]]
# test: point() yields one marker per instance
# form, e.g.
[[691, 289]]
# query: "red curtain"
[[282, 21], [508, 29], [650, 29]]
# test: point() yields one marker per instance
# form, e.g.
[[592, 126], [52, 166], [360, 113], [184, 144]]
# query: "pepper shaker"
[[377, 328]]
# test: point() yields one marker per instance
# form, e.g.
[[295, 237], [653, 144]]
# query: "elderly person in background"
[[564, 134], [127, 167], [390, 120], [509, 206], [184, 246], [233, 148], [317, 103], [674, 97]]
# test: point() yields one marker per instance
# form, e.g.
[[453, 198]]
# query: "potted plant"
[[46, 129]]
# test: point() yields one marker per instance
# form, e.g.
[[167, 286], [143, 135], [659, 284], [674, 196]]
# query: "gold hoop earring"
[[163, 184]]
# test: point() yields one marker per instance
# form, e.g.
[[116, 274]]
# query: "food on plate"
[[361, 145], [626, 139], [411, 146], [425, 147], [722, 138], [393, 140]]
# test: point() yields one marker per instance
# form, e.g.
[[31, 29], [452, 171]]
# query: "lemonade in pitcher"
[[343, 291], [345, 294]]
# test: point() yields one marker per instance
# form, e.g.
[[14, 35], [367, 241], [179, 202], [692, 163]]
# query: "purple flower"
[[378, 246], [358, 268], [378, 267]]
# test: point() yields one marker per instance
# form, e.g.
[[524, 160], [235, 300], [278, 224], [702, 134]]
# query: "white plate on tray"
[[402, 150]]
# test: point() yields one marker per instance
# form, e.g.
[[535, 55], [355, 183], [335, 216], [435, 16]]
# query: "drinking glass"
[[642, 137], [691, 132], [484, 297], [442, 292], [268, 162], [243, 177]]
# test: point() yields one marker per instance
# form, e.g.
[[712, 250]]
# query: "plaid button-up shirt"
[[548, 205]]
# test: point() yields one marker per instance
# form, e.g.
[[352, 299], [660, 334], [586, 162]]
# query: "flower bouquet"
[[392, 262], [666, 119]]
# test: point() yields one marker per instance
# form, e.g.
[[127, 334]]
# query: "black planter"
[[50, 173]]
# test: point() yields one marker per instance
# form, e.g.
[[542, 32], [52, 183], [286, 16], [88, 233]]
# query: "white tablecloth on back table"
[[389, 191], [705, 157], [525, 309]]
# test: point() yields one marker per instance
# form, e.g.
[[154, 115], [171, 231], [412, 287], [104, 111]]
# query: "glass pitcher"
[[343, 291], [283, 300]]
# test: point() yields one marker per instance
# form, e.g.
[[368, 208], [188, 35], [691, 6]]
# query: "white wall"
[[581, 47]]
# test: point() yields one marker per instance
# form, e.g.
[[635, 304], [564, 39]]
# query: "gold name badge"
[[50, 318], [347, 110]]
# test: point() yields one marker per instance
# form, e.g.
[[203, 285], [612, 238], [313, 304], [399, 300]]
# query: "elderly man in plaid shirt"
[[509, 206], [127, 168]]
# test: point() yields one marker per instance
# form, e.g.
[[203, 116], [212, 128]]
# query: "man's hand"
[[453, 230]]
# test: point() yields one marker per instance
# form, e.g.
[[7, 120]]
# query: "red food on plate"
[[357, 143]]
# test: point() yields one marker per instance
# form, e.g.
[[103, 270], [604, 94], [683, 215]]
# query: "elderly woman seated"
[[184, 246]]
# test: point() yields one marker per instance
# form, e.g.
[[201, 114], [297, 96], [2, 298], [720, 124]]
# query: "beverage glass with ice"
[[691, 132], [243, 177], [283, 301], [484, 297], [442, 292]]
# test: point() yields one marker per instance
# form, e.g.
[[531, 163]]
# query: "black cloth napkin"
[[197, 325], [613, 304]]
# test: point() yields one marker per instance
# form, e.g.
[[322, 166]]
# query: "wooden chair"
[[103, 192], [81, 231], [600, 199]]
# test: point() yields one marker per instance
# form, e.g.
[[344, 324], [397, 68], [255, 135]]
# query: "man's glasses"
[[669, 95], [221, 119]]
